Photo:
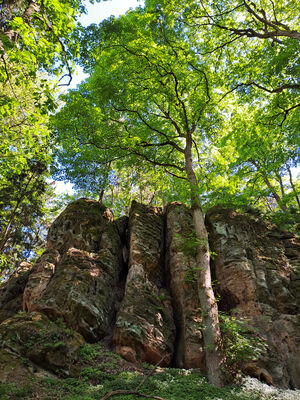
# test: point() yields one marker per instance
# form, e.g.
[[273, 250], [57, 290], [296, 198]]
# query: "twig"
[[136, 391], [128, 392]]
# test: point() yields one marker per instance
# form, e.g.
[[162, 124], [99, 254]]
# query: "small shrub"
[[241, 341]]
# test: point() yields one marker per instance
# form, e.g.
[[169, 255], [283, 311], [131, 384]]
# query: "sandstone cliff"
[[130, 282]]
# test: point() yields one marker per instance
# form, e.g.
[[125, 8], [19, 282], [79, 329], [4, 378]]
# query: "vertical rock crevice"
[[181, 272], [144, 330]]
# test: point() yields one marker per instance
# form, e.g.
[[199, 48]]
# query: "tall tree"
[[34, 45], [153, 99]]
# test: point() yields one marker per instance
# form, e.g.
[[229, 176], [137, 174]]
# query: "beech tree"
[[154, 102], [255, 48]]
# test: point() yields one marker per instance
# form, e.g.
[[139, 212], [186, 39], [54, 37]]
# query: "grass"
[[100, 371]]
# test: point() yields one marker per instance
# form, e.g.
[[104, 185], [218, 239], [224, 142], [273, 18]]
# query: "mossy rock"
[[48, 345]]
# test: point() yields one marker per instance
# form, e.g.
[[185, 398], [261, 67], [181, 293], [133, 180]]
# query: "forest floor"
[[100, 375]]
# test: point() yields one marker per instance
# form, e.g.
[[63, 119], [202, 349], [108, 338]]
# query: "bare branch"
[[136, 391]]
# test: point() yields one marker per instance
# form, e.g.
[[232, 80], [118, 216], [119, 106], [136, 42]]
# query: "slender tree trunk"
[[5, 236], [281, 185], [293, 186], [275, 195], [101, 194], [210, 317]]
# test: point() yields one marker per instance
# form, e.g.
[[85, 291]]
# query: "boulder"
[[13, 368], [146, 240], [39, 278], [80, 225], [180, 265], [48, 345], [144, 330], [257, 281], [81, 292]]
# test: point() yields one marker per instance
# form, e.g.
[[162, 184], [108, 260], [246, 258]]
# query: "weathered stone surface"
[[39, 278], [11, 292], [146, 239], [144, 328], [257, 278], [12, 368], [44, 343], [181, 264], [80, 226], [75, 278], [82, 293], [122, 279]]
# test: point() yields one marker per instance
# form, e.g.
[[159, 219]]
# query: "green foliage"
[[168, 383], [89, 352], [241, 341], [12, 391]]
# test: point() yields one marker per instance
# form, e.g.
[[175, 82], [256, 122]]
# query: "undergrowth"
[[100, 371]]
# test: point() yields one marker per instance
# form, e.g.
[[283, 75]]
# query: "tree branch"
[[136, 391]]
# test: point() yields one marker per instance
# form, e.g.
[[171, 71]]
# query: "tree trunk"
[[293, 186], [275, 195], [5, 236], [210, 317]]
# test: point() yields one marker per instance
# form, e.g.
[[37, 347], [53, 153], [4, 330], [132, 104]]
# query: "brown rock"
[[12, 368], [257, 279], [82, 293], [46, 344], [80, 226], [75, 278], [146, 239], [11, 291], [39, 278], [181, 264], [144, 330]]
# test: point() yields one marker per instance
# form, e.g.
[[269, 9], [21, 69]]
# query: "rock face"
[[144, 329], [46, 344], [11, 292], [132, 283], [75, 278], [182, 282], [255, 267]]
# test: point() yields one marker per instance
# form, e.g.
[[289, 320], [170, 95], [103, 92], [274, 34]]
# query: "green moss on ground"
[[100, 371]]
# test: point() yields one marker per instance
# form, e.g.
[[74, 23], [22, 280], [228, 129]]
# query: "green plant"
[[240, 340], [89, 352], [11, 391]]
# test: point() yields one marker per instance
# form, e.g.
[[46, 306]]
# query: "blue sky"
[[99, 11]]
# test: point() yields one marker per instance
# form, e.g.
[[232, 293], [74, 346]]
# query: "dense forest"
[[195, 101]]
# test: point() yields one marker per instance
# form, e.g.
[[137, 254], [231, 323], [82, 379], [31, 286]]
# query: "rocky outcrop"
[[11, 291], [132, 283], [144, 329], [255, 267], [75, 278], [46, 344], [181, 272]]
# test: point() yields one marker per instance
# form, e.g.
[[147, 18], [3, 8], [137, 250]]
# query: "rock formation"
[[256, 270], [131, 282], [144, 329]]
